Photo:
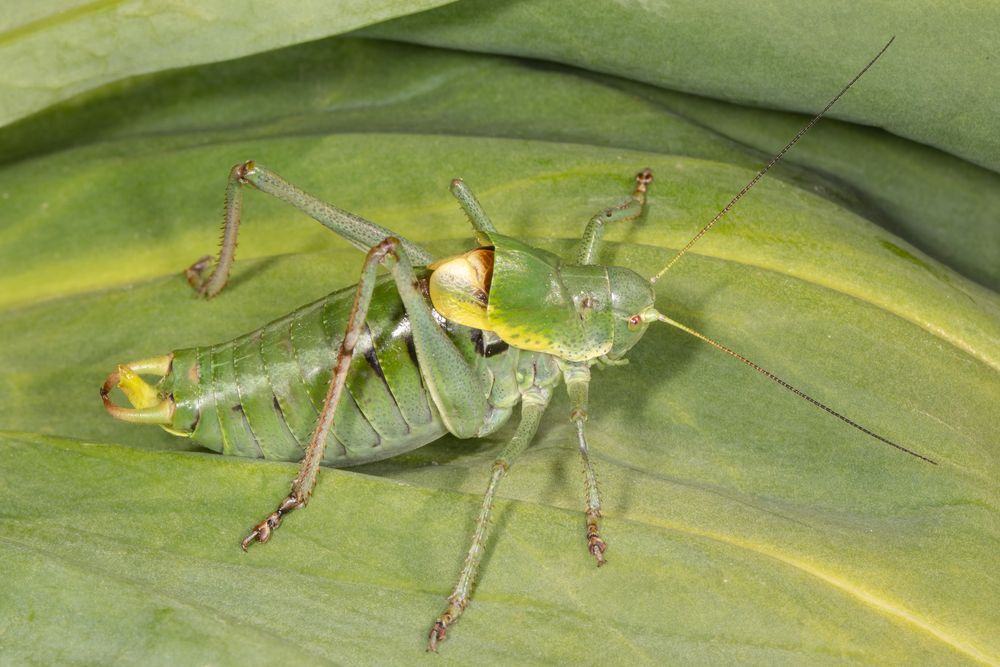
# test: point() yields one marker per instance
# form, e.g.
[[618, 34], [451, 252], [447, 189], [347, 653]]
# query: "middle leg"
[[473, 209], [533, 403], [577, 377]]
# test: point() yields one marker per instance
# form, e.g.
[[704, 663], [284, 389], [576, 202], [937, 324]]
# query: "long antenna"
[[654, 315], [774, 161]]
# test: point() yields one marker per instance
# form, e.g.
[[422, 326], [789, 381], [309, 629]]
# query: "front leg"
[[630, 209]]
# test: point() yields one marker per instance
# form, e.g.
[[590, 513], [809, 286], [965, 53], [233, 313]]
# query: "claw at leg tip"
[[597, 549], [436, 635]]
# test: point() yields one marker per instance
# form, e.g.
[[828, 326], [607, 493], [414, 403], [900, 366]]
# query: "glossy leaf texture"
[[744, 525]]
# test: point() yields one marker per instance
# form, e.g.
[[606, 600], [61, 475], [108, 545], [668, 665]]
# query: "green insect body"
[[259, 395], [446, 346], [396, 362]]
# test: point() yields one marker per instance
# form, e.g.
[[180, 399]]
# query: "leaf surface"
[[54, 50], [744, 525], [938, 84]]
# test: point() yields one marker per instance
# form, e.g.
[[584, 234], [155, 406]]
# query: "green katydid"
[[438, 346]]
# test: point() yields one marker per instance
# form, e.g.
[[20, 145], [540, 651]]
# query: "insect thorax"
[[534, 301]]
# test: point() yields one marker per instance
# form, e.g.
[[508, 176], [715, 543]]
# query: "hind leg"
[[361, 233], [452, 383]]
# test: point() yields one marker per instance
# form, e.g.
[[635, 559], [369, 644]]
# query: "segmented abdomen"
[[259, 395]]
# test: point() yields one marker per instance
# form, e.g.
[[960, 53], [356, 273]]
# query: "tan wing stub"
[[460, 287]]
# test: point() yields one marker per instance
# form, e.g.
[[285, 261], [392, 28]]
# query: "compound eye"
[[634, 322]]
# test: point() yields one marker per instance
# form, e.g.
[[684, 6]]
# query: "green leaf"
[[51, 53], [783, 55], [744, 525], [895, 183]]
